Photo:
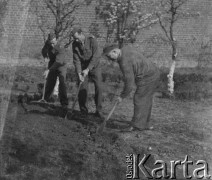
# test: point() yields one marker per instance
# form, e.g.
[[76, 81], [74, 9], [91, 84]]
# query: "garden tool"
[[42, 100], [75, 100], [102, 126]]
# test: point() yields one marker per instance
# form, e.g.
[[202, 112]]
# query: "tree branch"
[[162, 26], [181, 2], [69, 13], [68, 23], [67, 5], [173, 10], [51, 6]]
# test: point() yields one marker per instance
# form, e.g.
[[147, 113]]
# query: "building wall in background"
[[190, 33]]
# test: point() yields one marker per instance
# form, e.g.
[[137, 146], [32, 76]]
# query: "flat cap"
[[51, 35], [109, 48]]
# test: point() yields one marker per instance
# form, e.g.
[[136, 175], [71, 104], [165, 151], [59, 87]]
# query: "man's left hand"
[[85, 72]]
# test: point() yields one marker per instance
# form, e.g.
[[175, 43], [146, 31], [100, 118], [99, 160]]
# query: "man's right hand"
[[119, 100], [45, 74], [81, 77]]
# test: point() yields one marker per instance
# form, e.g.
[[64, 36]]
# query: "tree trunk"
[[170, 78], [172, 69]]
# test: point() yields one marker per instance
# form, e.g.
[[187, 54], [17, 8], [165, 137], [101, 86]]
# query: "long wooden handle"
[[44, 89], [112, 110], [76, 96]]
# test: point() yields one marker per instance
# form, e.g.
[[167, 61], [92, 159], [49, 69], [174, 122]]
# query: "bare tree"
[[63, 14], [169, 12], [125, 18]]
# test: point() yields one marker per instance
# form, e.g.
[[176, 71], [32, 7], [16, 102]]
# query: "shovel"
[[42, 100], [102, 126], [75, 100]]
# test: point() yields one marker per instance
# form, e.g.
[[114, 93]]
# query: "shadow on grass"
[[89, 120], [117, 124], [77, 116]]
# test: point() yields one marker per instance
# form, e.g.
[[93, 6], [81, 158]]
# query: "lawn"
[[41, 145]]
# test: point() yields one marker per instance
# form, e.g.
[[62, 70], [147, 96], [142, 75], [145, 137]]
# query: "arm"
[[55, 66], [45, 49], [96, 55], [128, 74], [76, 59], [45, 54], [59, 58]]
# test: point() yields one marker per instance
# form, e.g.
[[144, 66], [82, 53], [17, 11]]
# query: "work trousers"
[[143, 99], [50, 84], [96, 77]]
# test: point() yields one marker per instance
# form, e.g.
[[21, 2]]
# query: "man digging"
[[86, 58], [57, 68], [141, 71]]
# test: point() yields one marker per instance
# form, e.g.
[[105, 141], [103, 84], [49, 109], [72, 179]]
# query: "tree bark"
[[170, 78], [172, 69]]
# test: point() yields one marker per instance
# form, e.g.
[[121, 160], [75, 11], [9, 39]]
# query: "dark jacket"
[[57, 56], [48, 53], [136, 69], [87, 56]]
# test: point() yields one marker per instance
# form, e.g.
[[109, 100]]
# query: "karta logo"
[[137, 165]]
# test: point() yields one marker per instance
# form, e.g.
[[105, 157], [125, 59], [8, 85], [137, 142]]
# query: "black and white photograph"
[[105, 89]]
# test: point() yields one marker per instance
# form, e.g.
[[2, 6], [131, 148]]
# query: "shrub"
[[193, 85], [181, 79]]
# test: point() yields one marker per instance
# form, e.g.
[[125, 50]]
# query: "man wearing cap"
[[57, 68], [141, 71], [49, 57], [86, 59]]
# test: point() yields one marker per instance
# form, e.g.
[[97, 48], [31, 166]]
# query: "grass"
[[43, 146], [40, 145]]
